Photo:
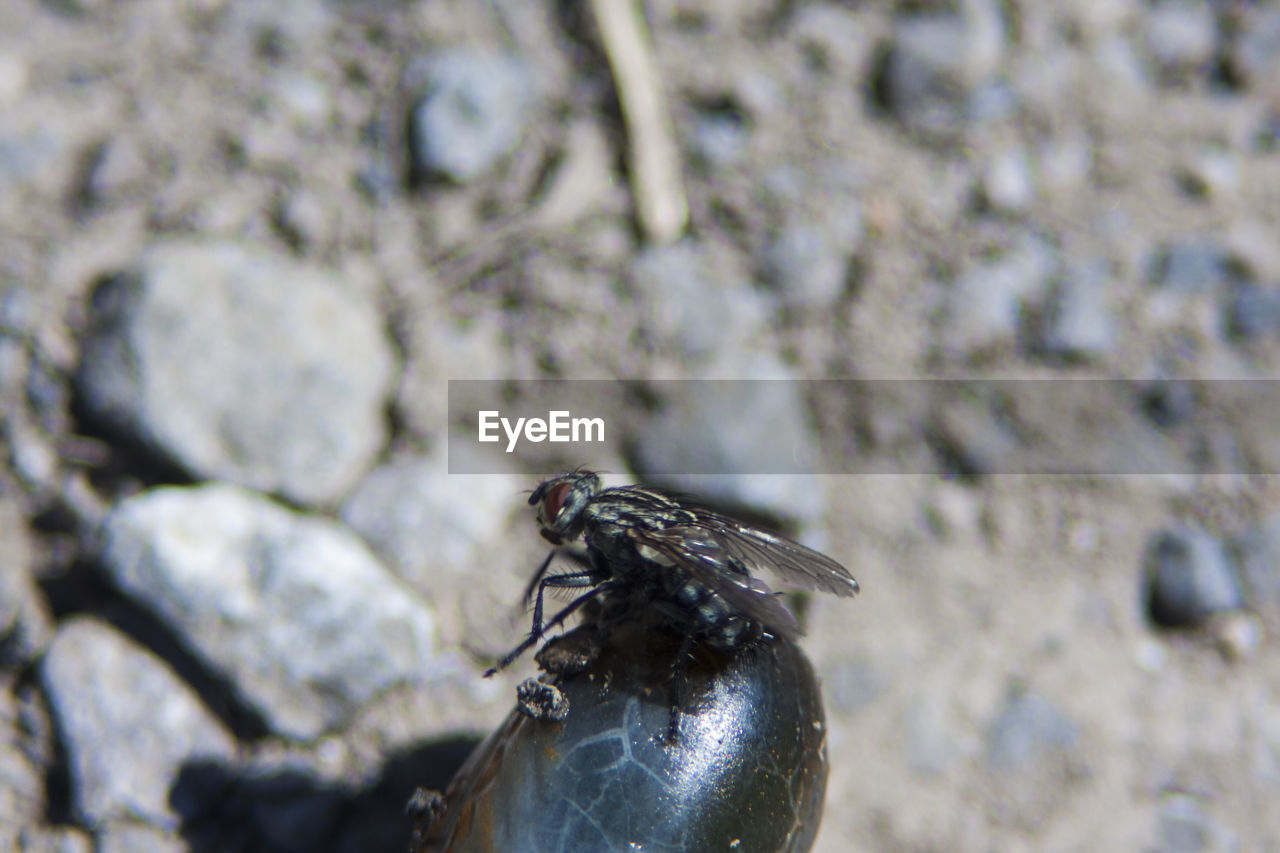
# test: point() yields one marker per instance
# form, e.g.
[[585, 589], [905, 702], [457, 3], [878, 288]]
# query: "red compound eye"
[[554, 502]]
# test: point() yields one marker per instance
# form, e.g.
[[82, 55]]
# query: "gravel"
[[808, 268], [241, 365], [1181, 37], [128, 723], [1187, 826], [471, 114], [936, 64], [1189, 267], [1081, 322], [985, 304], [1007, 183], [692, 307], [876, 191], [295, 610], [1252, 312], [1190, 576]]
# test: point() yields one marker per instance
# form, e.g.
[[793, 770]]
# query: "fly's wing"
[[692, 549], [717, 539]]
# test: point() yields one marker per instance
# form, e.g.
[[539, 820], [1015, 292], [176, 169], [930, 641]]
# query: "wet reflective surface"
[[747, 770]]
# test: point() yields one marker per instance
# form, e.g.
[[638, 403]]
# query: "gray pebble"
[[808, 269], [1255, 56], [1169, 403], [1080, 321], [1189, 577], [471, 114], [1185, 827], [294, 610], [1181, 36], [985, 304], [35, 459], [720, 138], [690, 307], [116, 167], [306, 220], [1189, 267], [935, 64], [924, 80], [1007, 184], [128, 724], [1028, 728], [1211, 174], [303, 97], [241, 366], [1252, 312]]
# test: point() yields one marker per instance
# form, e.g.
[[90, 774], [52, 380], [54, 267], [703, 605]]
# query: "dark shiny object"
[[748, 772], [650, 552]]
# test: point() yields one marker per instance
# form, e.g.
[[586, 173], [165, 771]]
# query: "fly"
[[693, 567]]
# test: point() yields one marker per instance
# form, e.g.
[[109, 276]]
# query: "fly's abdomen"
[[712, 619]]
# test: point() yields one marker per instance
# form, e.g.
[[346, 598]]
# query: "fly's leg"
[[678, 681], [571, 580], [539, 630], [537, 578]]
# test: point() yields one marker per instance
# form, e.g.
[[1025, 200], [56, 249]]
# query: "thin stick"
[[654, 159]]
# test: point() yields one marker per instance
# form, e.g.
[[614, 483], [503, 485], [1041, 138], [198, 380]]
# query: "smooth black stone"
[[747, 770]]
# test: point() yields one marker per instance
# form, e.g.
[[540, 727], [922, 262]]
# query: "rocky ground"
[[244, 245]]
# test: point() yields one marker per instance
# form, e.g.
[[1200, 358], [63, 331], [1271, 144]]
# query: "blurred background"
[[244, 246]]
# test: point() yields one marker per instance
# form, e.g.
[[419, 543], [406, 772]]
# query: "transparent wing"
[[720, 541], [722, 553], [709, 565]]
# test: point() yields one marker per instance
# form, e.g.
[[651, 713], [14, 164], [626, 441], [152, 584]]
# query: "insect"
[[654, 553]]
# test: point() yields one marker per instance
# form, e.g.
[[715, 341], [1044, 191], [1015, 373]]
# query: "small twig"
[[653, 156]]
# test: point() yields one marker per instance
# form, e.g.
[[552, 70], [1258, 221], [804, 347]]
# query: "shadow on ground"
[[287, 809]]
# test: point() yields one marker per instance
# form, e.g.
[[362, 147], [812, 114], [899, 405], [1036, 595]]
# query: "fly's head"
[[561, 501]]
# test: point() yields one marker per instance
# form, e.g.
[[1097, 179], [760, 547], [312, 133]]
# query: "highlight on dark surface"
[[747, 772]]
